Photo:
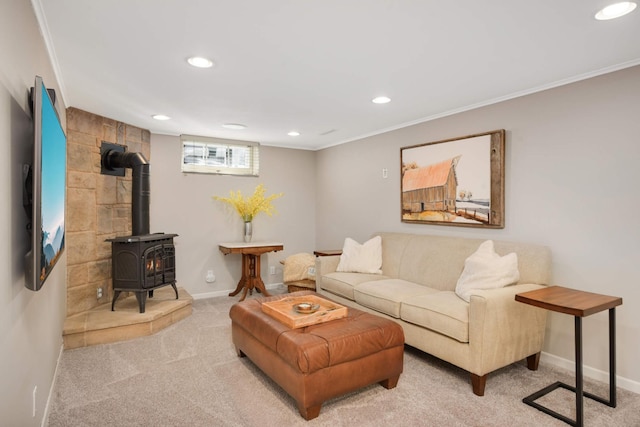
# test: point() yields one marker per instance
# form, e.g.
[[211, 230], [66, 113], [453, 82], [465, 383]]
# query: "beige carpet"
[[189, 375]]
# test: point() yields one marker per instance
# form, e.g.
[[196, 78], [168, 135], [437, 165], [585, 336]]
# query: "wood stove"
[[141, 264]]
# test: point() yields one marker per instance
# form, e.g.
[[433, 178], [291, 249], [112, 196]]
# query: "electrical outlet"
[[210, 277], [385, 173], [272, 269], [99, 293]]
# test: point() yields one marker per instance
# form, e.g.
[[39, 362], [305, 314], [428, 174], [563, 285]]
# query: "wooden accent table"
[[250, 264], [578, 304]]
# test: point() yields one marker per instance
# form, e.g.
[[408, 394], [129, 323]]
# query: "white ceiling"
[[314, 66]]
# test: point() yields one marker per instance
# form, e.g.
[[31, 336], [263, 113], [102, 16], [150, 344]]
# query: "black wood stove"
[[141, 262]]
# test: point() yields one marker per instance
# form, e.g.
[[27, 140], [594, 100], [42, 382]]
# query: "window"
[[219, 156]]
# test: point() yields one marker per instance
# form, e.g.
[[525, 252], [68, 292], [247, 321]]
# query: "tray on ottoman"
[[321, 361], [293, 312]]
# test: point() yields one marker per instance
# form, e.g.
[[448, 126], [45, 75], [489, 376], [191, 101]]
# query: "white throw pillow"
[[485, 269], [361, 258]]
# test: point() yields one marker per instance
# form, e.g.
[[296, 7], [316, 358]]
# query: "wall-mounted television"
[[45, 188]]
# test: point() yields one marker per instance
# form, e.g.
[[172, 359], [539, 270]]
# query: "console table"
[[578, 304], [250, 264]]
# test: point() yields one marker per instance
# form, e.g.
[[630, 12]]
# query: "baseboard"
[[224, 293], [589, 372], [45, 414]]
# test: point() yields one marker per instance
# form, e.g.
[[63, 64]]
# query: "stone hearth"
[[100, 325]]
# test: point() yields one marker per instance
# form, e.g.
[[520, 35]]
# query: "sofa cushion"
[[438, 261], [343, 283], [442, 312], [485, 269], [361, 258], [387, 295], [393, 251], [434, 261]]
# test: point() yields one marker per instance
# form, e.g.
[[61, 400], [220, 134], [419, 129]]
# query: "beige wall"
[[571, 175], [183, 204], [30, 322]]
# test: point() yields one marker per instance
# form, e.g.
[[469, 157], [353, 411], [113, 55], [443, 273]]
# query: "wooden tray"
[[283, 310]]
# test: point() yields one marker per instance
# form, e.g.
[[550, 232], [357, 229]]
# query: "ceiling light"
[[234, 126], [381, 100], [200, 62], [294, 133], [615, 10], [161, 117]]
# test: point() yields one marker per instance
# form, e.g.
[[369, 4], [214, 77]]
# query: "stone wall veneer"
[[98, 206]]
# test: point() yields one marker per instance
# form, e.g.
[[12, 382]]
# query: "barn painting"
[[455, 182], [430, 188]]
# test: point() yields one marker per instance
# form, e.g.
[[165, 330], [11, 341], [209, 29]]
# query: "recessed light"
[[234, 126], [200, 62], [615, 10], [161, 117], [381, 100], [294, 133]]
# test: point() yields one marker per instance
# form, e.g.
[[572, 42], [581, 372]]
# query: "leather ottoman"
[[318, 362]]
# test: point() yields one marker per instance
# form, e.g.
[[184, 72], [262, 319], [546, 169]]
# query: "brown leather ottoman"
[[318, 362]]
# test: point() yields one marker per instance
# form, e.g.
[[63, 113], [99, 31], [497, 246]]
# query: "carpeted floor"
[[189, 375]]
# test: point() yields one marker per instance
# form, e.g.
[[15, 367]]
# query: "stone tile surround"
[[98, 208]]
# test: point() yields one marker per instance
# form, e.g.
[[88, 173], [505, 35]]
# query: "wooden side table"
[[328, 252], [250, 264], [578, 304]]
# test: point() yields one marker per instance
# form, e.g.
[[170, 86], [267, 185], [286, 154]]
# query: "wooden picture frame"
[[458, 182]]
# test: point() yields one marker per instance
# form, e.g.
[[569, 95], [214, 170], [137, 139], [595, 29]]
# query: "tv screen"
[[46, 183]]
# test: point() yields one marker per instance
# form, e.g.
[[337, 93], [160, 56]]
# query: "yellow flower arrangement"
[[249, 207]]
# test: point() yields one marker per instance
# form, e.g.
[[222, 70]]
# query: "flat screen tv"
[[44, 188]]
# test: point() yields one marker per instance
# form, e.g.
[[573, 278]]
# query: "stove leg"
[[175, 288], [116, 294], [142, 298]]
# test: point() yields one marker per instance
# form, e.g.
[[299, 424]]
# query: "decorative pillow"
[[361, 258], [485, 269]]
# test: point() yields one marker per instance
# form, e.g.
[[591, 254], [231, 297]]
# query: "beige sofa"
[[416, 289]]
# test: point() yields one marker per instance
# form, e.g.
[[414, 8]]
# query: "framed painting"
[[457, 182]]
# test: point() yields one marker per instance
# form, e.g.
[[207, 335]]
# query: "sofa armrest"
[[325, 265], [503, 330]]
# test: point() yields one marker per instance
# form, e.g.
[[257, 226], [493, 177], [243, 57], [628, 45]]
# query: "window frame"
[[228, 146]]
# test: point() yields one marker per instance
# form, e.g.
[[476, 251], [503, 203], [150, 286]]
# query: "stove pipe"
[[140, 194]]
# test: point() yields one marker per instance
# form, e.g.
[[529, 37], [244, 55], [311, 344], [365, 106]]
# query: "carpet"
[[189, 375]]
